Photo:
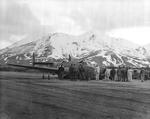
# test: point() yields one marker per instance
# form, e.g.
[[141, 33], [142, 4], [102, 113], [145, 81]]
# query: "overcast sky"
[[129, 19]]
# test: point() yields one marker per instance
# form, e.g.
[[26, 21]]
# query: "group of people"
[[75, 72], [83, 72], [123, 74], [118, 74]]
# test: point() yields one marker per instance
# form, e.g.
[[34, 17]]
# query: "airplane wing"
[[44, 69]]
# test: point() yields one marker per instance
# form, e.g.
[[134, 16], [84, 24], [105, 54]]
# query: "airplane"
[[62, 69], [47, 64]]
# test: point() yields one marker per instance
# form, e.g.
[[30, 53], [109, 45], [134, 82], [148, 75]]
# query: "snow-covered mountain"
[[94, 47]]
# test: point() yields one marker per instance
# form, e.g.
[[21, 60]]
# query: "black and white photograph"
[[74, 59]]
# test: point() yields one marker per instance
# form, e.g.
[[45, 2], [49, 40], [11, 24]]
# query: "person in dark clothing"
[[119, 74], [81, 72], [124, 74], [61, 72], [102, 73], [112, 74], [71, 71]]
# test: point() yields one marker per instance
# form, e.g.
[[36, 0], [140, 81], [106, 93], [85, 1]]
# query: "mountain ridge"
[[98, 49]]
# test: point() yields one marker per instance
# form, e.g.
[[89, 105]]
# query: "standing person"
[[71, 71], [76, 72], [107, 74], [119, 73], [125, 74], [61, 72], [102, 73], [122, 74], [112, 74], [81, 72], [142, 75], [97, 72], [129, 73], [116, 75]]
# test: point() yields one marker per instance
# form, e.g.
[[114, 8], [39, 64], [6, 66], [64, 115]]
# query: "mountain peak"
[[97, 48]]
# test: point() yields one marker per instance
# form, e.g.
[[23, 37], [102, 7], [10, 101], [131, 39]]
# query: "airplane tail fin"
[[33, 59]]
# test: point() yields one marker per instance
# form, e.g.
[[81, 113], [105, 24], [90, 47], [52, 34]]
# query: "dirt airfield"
[[28, 96]]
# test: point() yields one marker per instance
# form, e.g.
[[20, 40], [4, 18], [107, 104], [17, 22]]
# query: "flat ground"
[[27, 96]]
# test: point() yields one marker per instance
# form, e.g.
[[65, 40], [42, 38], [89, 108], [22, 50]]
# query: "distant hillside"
[[94, 47]]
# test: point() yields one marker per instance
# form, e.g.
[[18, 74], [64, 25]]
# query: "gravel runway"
[[27, 96]]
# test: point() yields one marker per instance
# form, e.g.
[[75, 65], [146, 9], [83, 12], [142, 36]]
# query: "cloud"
[[110, 14], [21, 17], [138, 35], [89, 15], [16, 19]]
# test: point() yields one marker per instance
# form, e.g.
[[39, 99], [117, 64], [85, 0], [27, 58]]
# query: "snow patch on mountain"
[[95, 47]]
